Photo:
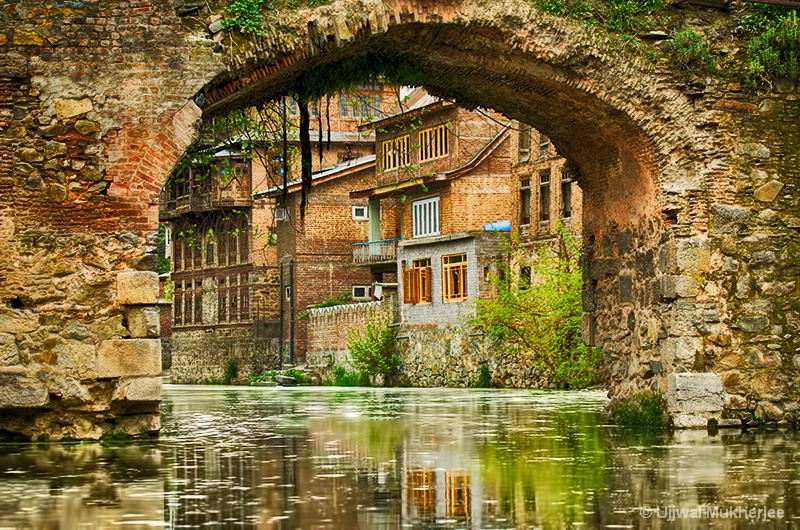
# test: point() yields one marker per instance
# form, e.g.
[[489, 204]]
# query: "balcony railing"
[[382, 251]]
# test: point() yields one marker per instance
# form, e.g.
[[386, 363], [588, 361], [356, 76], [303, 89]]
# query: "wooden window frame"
[[454, 278], [395, 153], [525, 199], [544, 191], [417, 284], [433, 143]]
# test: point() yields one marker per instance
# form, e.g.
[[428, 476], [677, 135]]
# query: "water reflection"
[[324, 458]]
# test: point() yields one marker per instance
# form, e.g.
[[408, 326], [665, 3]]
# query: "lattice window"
[[425, 217], [525, 202], [394, 153], [177, 304], [566, 194], [243, 238], [459, 494], [344, 110], [454, 278], [544, 196], [244, 302], [417, 282], [198, 302], [433, 143], [222, 301]]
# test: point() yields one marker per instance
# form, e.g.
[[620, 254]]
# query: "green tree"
[[538, 316]]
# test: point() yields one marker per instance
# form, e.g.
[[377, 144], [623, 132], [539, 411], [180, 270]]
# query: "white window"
[[433, 143], [394, 153], [426, 217], [288, 293], [360, 213], [280, 214], [362, 292]]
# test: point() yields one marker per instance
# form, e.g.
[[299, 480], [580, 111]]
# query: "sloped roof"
[[323, 175]]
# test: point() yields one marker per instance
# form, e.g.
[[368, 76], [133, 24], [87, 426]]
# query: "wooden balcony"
[[376, 252]]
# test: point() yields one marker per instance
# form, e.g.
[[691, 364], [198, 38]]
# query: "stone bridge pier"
[[690, 188]]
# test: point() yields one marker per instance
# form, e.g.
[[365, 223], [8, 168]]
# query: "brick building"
[[225, 273], [315, 251], [449, 172]]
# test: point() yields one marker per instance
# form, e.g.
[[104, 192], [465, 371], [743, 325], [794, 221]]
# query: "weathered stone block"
[[86, 127], [755, 150], [54, 149], [19, 391], [138, 389], [17, 321], [9, 352], [796, 361], [768, 191], [144, 321], [76, 358], [680, 351], [752, 324], [694, 393], [689, 421], [139, 424], [728, 219], [668, 287], [27, 154], [686, 286], [137, 287], [625, 288], [109, 328], [763, 259], [693, 256], [129, 357], [666, 258], [67, 108]]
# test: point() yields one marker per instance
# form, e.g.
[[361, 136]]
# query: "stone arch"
[[681, 276], [608, 111]]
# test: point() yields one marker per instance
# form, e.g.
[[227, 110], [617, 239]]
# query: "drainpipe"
[[291, 312], [280, 306]]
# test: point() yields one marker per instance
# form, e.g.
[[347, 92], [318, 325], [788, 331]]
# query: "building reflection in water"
[[383, 459]]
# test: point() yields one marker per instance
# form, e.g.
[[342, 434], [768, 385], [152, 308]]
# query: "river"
[[340, 458]]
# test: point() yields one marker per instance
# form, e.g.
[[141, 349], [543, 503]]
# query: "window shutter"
[[426, 291]]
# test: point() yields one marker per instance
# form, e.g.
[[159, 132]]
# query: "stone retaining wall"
[[199, 356]]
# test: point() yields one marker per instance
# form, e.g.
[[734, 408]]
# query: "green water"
[[328, 458]]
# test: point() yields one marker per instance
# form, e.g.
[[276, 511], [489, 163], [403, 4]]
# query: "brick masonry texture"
[[660, 162]]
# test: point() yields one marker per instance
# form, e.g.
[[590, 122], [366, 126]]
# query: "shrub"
[[484, 378], [775, 52], [299, 377], [230, 371], [373, 352], [645, 411], [538, 312], [269, 375], [343, 377], [690, 51]]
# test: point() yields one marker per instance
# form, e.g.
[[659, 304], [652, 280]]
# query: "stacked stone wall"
[[200, 355]]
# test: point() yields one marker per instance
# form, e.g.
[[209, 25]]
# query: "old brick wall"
[[327, 332]]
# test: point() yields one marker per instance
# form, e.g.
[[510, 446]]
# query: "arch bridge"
[[690, 185]]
